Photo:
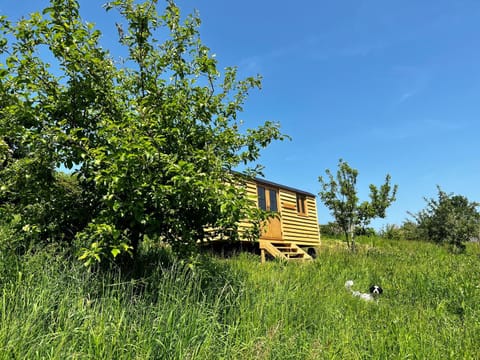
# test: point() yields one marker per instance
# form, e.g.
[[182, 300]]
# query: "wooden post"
[[262, 255]]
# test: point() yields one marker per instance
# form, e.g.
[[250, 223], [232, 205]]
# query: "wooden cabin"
[[294, 234]]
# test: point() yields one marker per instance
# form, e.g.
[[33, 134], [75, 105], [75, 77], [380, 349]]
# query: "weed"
[[237, 308]]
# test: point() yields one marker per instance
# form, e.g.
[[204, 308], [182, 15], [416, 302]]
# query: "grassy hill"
[[237, 308]]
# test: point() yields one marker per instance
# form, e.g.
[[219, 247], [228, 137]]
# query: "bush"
[[331, 229], [449, 219], [407, 231], [55, 217]]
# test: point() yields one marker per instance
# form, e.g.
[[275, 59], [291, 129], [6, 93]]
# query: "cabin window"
[[267, 198], [301, 204], [273, 200], [262, 200]]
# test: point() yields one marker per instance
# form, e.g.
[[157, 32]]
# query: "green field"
[[237, 308]]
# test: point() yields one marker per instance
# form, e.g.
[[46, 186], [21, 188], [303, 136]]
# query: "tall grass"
[[50, 307]]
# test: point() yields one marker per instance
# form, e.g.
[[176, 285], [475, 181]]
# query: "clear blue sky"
[[390, 87]]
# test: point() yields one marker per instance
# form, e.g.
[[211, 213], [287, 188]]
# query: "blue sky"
[[390, 87]]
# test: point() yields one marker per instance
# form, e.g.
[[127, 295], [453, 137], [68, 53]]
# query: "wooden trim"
[[289, 206]]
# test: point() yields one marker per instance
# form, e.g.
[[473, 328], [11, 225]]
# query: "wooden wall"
[[298, 228], [252, 195], [301, 229]]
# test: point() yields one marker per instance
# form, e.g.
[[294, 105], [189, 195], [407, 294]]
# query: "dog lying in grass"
[[375, 291]]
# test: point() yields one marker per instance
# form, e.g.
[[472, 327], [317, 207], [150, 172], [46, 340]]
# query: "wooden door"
[[268, 199]]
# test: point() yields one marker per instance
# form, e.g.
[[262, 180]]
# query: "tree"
[[152, 139], [449, 219], [340, 196]]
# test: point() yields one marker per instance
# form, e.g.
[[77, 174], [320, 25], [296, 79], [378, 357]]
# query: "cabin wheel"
[[312, 252]]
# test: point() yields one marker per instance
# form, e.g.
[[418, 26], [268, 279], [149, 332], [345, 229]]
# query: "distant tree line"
[[447, 219]]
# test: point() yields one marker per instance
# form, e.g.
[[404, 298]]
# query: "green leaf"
[[115, 252]]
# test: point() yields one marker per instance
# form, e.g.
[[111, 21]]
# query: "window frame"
[[267, 192], [262, 198], [302, 208]]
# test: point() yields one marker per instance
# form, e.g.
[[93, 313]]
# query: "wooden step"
[[284, 250]]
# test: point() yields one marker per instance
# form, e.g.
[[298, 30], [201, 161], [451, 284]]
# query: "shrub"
[[449, 219]]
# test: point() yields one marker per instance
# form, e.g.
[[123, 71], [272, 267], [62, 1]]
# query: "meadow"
[[51, 307]]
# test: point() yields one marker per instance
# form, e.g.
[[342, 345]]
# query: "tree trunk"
[[347, 238], [351, 234], [136, 235]]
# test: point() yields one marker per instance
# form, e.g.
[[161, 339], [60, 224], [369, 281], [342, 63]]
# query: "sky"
[[390, 87]]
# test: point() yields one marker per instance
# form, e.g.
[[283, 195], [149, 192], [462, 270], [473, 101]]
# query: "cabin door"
[[268, 200]]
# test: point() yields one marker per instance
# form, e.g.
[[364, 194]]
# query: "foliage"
[[331, 229], [408, 230], [56, 216], [449, 219], [241, 309], [152, 139], [340, 196], [365, 231], [391, 232]]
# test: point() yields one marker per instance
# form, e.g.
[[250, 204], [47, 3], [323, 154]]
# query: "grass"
[[52, 308]]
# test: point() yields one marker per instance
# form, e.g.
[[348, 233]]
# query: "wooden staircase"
[[283, 250]]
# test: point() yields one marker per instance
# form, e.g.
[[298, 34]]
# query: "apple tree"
[[151, 140]]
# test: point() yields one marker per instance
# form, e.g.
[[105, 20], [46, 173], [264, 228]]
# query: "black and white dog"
[[375, 290]]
